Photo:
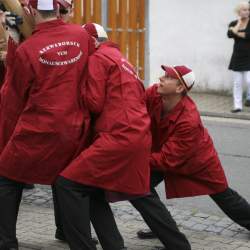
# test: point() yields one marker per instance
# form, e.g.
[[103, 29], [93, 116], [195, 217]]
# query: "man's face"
[[168, 86]]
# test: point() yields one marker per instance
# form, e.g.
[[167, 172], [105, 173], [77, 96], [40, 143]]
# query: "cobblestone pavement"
[[36, 226]]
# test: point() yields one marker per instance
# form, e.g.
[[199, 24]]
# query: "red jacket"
[[183, 149], [118, 159], [2, 73], [41, 116]]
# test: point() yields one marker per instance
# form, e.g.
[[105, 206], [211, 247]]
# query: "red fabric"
[[41, 116], [118, 160], [90, 28], [172, 71], [2, 73], [65, 4], [183, 149]]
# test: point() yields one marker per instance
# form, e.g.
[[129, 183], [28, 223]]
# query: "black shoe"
[[95, 240], [236, 110], [29, 186], [247, 103], [146, 234], [59, 235]]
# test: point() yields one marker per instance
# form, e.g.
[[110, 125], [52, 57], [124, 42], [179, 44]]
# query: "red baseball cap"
[[182, 73], [65, 3], [43, 4], [95, 30]]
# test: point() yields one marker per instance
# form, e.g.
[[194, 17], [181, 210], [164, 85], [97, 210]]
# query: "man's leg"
[[234, 206], [74, 199], [155, 179], [58, 222], [10, 198], [59, 234], [159, 220], [104, 223]]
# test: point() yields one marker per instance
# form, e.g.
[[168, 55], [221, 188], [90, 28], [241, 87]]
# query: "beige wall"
[[192, 32]]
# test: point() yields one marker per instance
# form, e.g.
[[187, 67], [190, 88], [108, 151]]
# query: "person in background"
[[239, 30]]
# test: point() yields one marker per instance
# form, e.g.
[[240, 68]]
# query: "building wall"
[[191, 32]]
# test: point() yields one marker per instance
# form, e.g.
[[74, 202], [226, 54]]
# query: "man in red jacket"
[[42, 118], [183, 153], [118, 158]]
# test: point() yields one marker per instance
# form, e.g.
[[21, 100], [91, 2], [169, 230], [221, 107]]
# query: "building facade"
[[191, 32]]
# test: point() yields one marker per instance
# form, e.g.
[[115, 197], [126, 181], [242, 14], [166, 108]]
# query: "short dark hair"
[[63, 11], [47, 13], [102, 39]]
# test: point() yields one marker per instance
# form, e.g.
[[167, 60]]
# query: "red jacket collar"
[[110, 44], [176, 111], [48, 25]]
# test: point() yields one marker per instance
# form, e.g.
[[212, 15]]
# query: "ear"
[[58, 11], [96, 42], [180, 88]]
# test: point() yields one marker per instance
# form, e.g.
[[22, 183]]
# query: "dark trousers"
[[159, 219], [78, 204], [10, 198], [58, 220], [234, 206]]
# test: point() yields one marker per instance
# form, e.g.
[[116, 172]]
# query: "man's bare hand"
[[3, 55], [3, 44]]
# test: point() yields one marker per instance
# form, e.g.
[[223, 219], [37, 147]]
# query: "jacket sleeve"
[[14, 92], [230, 33], [247, 32], [150, 94], [96, 84], [176, 150]]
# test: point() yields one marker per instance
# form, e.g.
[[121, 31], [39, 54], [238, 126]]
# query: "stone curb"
[[240, 116]]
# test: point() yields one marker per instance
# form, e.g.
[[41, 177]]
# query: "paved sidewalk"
[[36, 228], [218, 106]]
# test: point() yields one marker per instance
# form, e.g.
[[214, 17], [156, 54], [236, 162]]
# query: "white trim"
[[189, 78], [100, 31], [45, 5]]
